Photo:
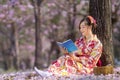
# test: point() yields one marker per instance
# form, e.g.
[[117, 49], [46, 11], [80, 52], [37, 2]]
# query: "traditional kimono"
[[87, 55]]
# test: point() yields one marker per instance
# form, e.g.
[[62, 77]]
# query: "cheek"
[[85, 31]]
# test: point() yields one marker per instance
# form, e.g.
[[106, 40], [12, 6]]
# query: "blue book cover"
[[68, 44]]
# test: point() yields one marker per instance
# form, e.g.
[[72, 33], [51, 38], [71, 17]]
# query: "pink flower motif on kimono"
[[69, 62], [54, 62], [57, 64], [71, 69], [79, 41], [92, 45]]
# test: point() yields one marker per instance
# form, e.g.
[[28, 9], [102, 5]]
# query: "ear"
[[90, 27]]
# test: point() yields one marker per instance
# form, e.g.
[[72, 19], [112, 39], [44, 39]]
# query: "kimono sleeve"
[[93, 56], [96, 52]]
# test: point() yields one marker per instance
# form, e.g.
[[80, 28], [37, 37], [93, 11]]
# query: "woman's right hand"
[[73, 55], [64, 50], [76, 55]]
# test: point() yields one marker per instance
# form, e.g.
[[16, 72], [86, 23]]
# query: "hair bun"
[[93, 21]]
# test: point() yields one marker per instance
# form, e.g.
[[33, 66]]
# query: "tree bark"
[[38, 43], [14, 46], [101, 11], [5, 56]]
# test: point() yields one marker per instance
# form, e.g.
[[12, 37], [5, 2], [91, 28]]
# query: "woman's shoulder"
[[97, 41]]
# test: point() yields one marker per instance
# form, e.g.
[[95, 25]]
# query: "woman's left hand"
[[76, 58]]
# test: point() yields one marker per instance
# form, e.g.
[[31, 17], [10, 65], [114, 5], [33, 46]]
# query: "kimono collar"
[[94, 38]]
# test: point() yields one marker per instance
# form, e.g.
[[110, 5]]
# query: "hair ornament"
[[92, 19]]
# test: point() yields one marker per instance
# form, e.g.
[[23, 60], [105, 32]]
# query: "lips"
[[82, 32]]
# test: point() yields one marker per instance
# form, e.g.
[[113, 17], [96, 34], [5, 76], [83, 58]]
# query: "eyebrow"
[[82, 25]]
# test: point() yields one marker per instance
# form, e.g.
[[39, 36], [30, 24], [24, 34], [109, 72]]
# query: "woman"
[[85, 59]]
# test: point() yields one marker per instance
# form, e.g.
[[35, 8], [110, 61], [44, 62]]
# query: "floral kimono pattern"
[[89, 54]]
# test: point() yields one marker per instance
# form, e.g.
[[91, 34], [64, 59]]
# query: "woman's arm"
[[93, 56]]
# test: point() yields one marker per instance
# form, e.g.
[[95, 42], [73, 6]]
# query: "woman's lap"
[[66, 65]]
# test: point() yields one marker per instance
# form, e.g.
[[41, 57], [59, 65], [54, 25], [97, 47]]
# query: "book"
[[68, 45]]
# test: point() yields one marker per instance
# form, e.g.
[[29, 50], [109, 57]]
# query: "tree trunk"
[[5, 56], [38, 43], [71, 21], [14, 46], [101, 11]]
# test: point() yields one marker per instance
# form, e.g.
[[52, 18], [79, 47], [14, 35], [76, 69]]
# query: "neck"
[[89, 36]]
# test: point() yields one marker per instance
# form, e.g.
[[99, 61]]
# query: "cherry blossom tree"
[[12, 21]]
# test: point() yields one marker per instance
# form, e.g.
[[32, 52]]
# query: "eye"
[[83, 27]]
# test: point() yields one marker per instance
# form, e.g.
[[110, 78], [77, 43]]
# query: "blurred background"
[[58, 19]]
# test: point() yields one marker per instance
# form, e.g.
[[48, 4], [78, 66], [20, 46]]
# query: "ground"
[[32, 75]]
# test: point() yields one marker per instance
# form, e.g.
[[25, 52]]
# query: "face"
[[84, 29]]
